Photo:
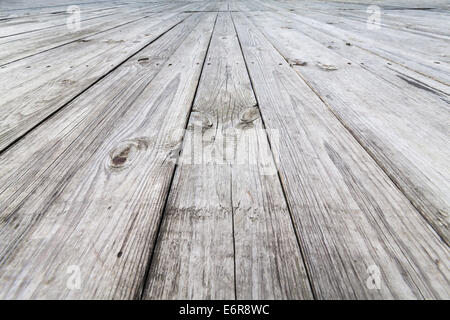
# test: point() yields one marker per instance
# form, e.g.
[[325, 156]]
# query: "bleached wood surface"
[[323, 145], [223, 208]]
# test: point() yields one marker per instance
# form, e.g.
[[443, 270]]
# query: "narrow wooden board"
[[226, 231], [85, 191], [350, 217]]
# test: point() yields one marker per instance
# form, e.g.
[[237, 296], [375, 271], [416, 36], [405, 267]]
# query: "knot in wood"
[[122, 156]]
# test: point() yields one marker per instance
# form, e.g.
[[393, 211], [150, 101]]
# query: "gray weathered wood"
[[348, 213], [226, 220], [389, 116], [24, 45], [87, 188], [11, 27], [420, 53], [70, 69], [91, 126]]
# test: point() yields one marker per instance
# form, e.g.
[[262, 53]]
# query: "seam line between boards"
[[370, 154], [380, 165], [144, 284], [13, 142], [299, 242]]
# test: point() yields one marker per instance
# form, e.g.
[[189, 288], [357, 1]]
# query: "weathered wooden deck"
[[249, 149]]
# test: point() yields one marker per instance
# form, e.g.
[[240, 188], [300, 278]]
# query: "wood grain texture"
[[315, 157], [423, 22], [21, 25], [24, 45], [226, 231], [23, 7], [28, 44], [55, 77], [91, 193], [418, 52], [57, 16], [348, 213], [402, 128]]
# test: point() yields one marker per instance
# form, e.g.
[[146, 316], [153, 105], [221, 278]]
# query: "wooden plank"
[[24, 45], [427, 23], [223, 5], [28, 44], [389, 31], [223, 203], [350, 217], [380, 66], [90, 185], [28, 97], [383, 112], [422, 54], [43, 20], [26, 24], [9, 11], [375, 63]]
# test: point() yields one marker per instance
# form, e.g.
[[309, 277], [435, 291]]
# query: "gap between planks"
[[145, 280], [88, 87]]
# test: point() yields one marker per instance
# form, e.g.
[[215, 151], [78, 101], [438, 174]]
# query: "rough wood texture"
[[402, 128], [93, 194], [70, 69], [333, 186], [21, 25], [314, 164], [399, 46], [219, 228]]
